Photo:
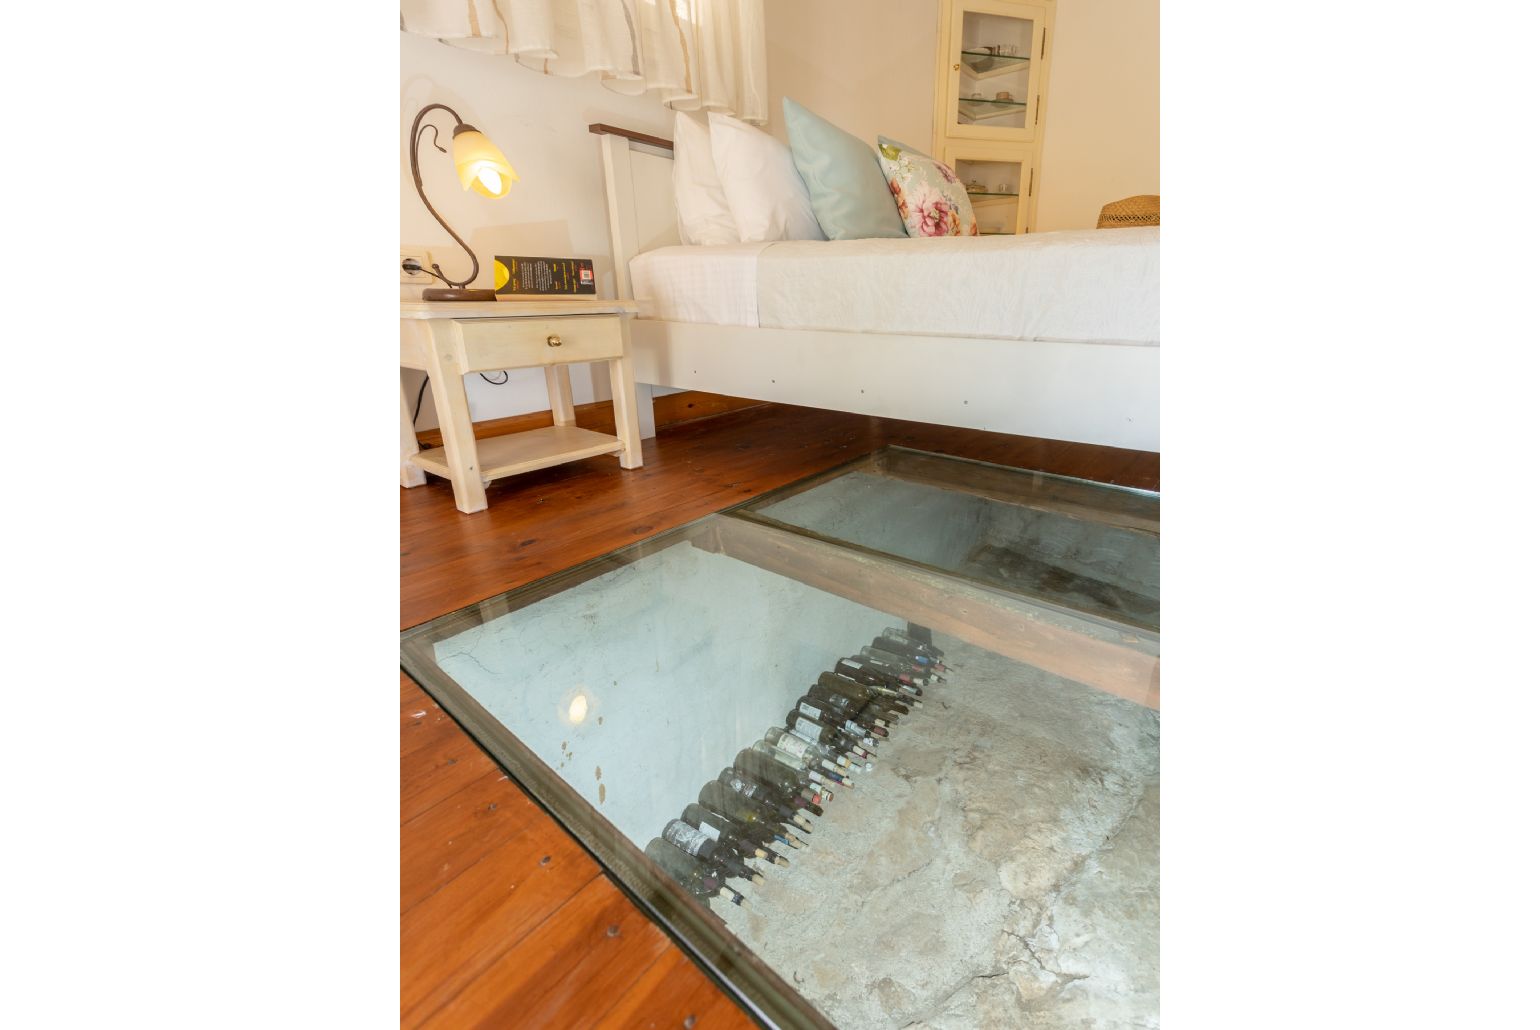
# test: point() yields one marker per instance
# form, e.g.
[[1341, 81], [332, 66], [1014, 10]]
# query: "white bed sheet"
[[1094, 285], [716, 285]]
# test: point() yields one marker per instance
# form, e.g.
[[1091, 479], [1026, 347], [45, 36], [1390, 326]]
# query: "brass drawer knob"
[[553, 340]]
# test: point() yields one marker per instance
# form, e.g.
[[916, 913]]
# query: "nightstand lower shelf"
[[509, 455]]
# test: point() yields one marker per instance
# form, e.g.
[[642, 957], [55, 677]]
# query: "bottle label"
[[744, 787], [710, 831], [807, 709], [685, 837], [811, 729], [792, 745]]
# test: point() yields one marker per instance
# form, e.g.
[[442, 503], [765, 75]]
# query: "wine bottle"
[[810, 754], [699, 844], [814, 757], [867, 686], [826, 737], [795, 789], [857, 735], [911, 676], [904, 652], [818, 775], [870, 672], [691, 874], [808, 721], [898, 685], [848, 708], [720, 828], [925, 647], [867, 707], [762, 794], [893, 684], [916, 675], [755, 817]]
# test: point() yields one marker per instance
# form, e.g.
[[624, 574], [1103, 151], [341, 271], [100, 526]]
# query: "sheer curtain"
[[695, 55]]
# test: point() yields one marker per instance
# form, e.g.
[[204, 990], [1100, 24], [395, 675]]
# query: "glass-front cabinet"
[[996, 47], [1000, 180], [991, 85]]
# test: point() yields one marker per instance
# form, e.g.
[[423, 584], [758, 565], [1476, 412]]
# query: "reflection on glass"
[[1040, 536]]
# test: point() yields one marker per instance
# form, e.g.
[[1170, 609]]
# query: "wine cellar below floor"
[[998, 867]]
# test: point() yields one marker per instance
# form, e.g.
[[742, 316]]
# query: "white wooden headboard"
[[639, 194]]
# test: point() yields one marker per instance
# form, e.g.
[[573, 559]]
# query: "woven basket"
[[1130, 211]]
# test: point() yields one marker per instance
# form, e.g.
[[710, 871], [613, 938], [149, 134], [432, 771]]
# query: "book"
[[543, 277]]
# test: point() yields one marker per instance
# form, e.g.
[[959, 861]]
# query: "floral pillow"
[[931, 200]]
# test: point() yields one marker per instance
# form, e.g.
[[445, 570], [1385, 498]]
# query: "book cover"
[[543, 277]]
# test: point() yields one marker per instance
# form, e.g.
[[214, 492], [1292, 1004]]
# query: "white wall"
[[557, 208], [1102, 140], [868, 66]]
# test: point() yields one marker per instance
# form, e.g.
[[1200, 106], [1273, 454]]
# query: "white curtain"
[[696, 55]]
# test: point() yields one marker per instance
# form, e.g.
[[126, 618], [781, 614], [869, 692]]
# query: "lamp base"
[[445, 293]]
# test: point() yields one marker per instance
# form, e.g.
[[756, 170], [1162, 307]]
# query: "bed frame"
[[1101, 393]]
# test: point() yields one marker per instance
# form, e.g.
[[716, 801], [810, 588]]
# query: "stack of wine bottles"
[[777, 786]]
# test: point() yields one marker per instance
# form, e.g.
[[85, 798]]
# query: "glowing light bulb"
[[490, 179], [577, 710]]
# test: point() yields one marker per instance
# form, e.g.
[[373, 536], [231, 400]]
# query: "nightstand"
[[449, 341]]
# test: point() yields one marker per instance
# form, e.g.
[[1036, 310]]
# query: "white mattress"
[[1095, 285], [712, 285]]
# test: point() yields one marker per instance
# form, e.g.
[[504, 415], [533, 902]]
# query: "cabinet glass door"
[[1000, 183], [996, 48]]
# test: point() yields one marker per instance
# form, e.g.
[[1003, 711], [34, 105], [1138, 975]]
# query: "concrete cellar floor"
[[998, 868]]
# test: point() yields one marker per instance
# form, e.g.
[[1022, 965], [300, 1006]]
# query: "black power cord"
[[424, 389], [418, 410]]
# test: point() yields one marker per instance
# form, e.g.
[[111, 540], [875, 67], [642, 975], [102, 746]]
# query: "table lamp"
[[482, 167]]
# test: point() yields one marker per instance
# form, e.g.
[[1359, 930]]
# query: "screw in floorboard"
[[689, 1021], [614, 930], [546, 860]]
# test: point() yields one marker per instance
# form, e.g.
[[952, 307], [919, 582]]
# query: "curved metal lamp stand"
[[454, 290]]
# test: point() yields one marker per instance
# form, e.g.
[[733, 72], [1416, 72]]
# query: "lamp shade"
[[480, 164]]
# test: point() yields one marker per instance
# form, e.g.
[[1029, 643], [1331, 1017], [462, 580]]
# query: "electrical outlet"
[[423, 258]]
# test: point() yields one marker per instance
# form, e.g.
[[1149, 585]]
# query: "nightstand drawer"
[[522, 342]]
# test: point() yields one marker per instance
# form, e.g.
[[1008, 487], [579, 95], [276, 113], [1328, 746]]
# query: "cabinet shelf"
[[978, 65], [988, 110], [990, 193]]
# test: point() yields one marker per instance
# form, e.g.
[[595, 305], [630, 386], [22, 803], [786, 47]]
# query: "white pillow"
[[768, 199], [704, 216]]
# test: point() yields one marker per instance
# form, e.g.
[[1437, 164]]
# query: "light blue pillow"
[[850, 194]]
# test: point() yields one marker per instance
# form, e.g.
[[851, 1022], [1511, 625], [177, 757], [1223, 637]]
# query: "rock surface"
[[998, 868]]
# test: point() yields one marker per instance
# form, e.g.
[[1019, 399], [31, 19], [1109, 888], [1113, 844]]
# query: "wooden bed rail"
[[600, 129]]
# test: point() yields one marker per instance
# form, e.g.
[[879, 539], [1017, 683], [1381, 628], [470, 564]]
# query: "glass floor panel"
[[973, 846], [1084, 546]]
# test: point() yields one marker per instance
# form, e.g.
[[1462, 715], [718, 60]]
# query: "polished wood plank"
[[667, 995], [599, 416], [431, 774], [478, 904], [568, 973], [460, 831], [457, 933]]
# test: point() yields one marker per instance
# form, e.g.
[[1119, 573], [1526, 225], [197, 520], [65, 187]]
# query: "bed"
[[1052, 335]]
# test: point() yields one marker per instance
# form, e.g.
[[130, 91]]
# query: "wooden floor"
[[505, 920]]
